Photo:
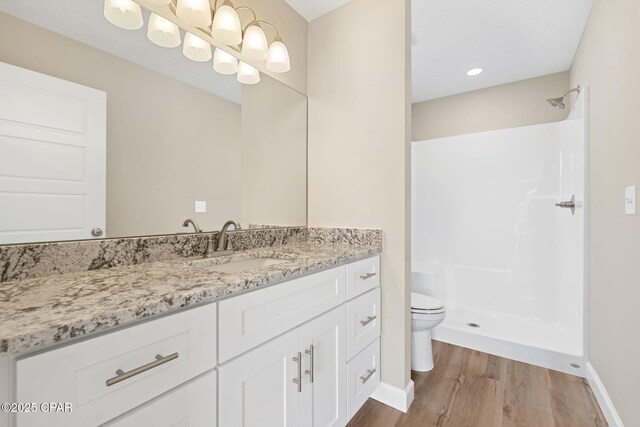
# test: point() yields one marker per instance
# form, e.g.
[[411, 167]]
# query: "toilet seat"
[[424, 304]]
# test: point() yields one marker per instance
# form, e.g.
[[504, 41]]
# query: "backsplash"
[[45, 259]]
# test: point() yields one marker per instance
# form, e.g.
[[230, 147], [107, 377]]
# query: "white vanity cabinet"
[[105, 376], [304, 352], [296, 379]]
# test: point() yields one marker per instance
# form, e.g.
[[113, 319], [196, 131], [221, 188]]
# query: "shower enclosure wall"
[[489, 241]]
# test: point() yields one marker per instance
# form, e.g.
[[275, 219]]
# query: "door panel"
[[52, 158], [324, 400], [258, 390]]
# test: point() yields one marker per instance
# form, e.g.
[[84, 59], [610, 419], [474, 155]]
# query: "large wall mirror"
[[179, 140]]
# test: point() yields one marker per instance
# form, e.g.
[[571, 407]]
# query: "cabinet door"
[[257, 388], [323, 343], [191, 404]]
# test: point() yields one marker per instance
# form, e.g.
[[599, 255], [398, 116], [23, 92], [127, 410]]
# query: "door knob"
[[96, 232]]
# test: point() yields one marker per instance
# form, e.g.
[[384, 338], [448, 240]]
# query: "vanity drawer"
[[191, 404], [251, 319], [161, 354], [363, 377], [362, 276], [363, 321]]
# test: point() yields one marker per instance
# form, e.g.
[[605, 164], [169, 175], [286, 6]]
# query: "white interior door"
[[52, 158], [324, 401]]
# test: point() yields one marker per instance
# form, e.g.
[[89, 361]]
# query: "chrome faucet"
[[208, 252], [222, 236], [193, 222]]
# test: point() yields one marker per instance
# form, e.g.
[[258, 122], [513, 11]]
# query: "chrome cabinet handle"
[[367, 276], [311, 353], [370, 373], [570, 204], [369, 320], [122, 375], [96, 232], [298, 379]]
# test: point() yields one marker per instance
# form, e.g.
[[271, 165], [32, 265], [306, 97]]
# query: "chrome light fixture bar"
[[206, 23]]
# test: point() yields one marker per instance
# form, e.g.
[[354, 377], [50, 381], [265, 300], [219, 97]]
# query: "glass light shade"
[[247, 74], [254, 44], [224, 62], [158, 2], [195, 48], [278, 58], [196, 13], [226, 26], [163, 32], [123, 13]]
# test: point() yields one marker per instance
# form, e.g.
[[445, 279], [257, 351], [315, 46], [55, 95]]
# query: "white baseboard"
[[609, 411], [393, 396]]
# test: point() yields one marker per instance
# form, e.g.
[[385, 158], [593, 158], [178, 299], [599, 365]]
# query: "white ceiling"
[[510, 39], [312, 9], [83, 20]]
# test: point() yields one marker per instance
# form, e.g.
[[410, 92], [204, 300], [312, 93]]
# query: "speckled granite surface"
[[42, 311], [44, 259]]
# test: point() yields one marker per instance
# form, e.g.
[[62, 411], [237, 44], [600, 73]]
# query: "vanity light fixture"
[[224, 63], [205, 20], [196, 13], [247, 74], [254, 43], [474, 72], [163, 32], [226, 26], [125, 14], [195, 48]]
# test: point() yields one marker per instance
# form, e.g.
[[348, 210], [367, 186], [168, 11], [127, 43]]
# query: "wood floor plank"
[[468, 388]]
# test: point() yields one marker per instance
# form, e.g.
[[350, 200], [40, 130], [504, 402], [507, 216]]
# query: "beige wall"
[[359, 144], [168, 144], [608, 62], [506, 106], [274, 154], [293, 30]]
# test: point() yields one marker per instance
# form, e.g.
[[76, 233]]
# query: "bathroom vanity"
[[292, 342]]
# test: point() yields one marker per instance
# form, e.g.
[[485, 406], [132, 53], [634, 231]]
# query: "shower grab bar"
[[570, 204]]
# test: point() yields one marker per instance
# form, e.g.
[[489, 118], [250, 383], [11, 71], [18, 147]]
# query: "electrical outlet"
[[630, 200], [201, 206]]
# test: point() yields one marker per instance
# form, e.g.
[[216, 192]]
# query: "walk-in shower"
[[490, 241]]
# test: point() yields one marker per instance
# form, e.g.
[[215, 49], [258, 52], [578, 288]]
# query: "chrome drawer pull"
[[122, 375], [370, 372], [298, 379], [367, 276], [369, 320], [311, 353]]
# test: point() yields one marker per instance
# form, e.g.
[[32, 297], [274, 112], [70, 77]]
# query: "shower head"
[[559, 102]]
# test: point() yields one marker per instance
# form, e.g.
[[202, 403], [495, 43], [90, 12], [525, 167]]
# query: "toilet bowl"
[[426, 313]]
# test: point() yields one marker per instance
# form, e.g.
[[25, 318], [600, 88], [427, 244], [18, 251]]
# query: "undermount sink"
[[238, 265]]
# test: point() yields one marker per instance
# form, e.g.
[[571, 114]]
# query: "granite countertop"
[[36, 313]]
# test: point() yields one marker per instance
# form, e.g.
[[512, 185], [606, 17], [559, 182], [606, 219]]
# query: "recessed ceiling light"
[[474, 71]]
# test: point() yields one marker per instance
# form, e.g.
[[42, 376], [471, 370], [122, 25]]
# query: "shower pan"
[[498, 235]]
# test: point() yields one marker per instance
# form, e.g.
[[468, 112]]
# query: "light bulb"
[[163, 32], [278, 57], [224, 63], [123, 13], [247, 74], [226, 26], [254, 43], [196, 13], [195, 48]]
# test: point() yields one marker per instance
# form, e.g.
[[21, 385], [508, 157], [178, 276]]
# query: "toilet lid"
[[425, 302]]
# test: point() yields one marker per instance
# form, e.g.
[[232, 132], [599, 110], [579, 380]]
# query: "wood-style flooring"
[[468, 388]]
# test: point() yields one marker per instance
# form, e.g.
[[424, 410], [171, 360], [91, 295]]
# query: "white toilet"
[[426, 313]]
